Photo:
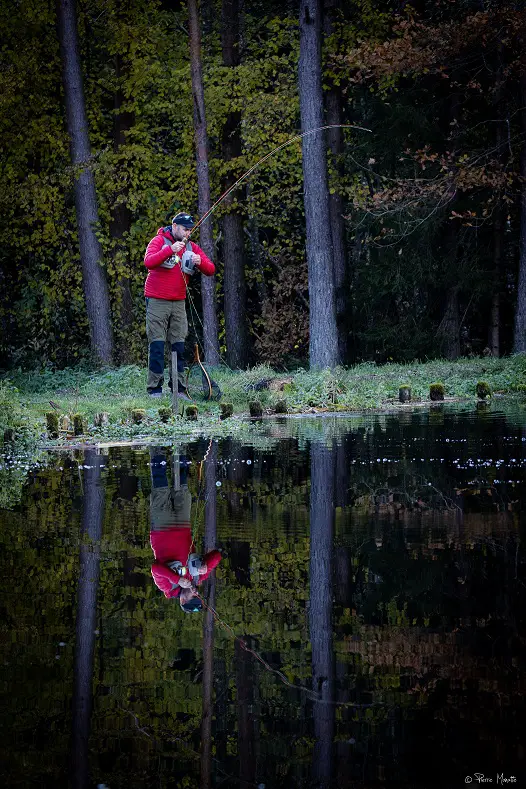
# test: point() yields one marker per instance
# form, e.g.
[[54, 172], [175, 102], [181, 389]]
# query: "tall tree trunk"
[[94, 279], [234, 285], [450, 326], [88, 584], [208, 623], [499, 222], [320, 609], [519, 340], [498, 252], [323, 342], [120, 225], [333, 114], [208, 284]]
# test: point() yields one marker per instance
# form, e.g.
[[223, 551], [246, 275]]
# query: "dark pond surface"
[[370, 608]]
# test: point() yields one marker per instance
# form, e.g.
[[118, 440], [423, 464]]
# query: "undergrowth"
[[25, 397]]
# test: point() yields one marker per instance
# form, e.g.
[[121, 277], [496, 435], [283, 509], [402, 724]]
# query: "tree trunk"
[[233, 247], [499, 222], [120, 225], [86, 625], [94, 279], [208, 284], [208, 623], [450, 326], [323, 342], [333, 114], [519, 340], [320, 608], [498, 249]]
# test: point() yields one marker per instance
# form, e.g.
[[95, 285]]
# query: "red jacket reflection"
[[176, 544]]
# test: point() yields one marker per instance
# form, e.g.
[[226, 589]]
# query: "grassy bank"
[[25, 396]]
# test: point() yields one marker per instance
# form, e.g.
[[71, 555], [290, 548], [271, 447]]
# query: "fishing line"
[[267, 156], [251, 170]]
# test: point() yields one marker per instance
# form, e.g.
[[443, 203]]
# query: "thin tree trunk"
[[320, 609], [208, 623], [498, 248], [333, 112], [208, 284], [120, 225], [88, 584], [234, 285], [94, 279], [519, 341], [323, 342], [498, 224], [450, 326]]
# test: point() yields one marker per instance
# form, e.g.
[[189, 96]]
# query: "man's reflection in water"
[[178, 569]]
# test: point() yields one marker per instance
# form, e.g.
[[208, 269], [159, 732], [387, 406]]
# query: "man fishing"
[[178, 569], [171, 259]]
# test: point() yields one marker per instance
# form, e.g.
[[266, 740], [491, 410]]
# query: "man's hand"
[[178, 246], [202, 570], [196, 259], [185, 583]]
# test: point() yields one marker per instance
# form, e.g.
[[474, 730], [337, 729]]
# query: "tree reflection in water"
[[416, 531], [86, 624]]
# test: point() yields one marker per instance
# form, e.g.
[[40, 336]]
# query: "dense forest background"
[[427, 209]]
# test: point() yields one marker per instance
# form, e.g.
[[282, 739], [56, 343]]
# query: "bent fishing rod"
[[267, 156]]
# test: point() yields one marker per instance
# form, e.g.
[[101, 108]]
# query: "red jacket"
[[169, 283], [176, 545]]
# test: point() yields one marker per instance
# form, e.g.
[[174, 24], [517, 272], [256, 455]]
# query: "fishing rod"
[[257, 164], [267, 156]]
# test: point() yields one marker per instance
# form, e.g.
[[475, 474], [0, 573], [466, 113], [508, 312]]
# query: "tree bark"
[[498, 251], [120, 225], [320, 609], [94, 279], [519, 340], [323, 342], [234, 285], [450, 326], [208, 284], [88, 584], [333, 114], [208, 623]]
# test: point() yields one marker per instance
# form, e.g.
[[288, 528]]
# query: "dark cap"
[[186, 220], [192, 606]]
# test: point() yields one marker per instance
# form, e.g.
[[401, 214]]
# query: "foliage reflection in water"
[[363, 625]]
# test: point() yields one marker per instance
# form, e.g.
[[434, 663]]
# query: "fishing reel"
[[187, 262]]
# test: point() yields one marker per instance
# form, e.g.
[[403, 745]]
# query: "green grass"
[[26, 395]]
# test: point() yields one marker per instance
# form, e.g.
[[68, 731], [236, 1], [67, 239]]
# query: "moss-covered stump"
[[437, 391], [9, 435], [404, 393], [227, 409], [191, 413], [52, 424], [101, 419], [138, 415], [483, 390], [79, 425], [165, 414], [255, 408], [281, 407]]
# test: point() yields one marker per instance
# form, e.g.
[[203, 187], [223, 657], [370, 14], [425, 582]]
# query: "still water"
[[365, 624]]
